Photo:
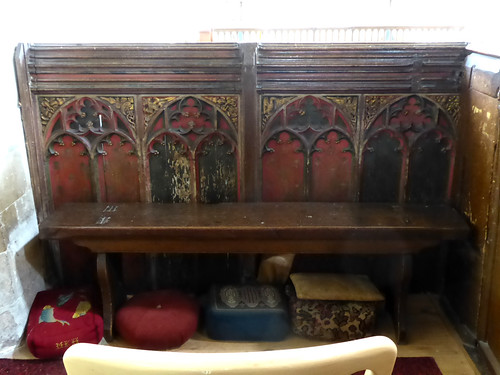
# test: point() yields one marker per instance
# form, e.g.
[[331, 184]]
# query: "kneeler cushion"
[[59, 318], [247, 313], [158, 320]]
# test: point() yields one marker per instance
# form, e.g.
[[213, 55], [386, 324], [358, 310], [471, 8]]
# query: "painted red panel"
[[309, 112], [118, 172], [277, 121], [119, 182], [379, 122], [69, 170], [191, 114], [283, 170], [223, 124], [331, 178], [159, 124], [443, 121], [70, 180], [411, 114]]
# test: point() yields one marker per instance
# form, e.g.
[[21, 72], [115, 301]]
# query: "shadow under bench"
[[257, 228]]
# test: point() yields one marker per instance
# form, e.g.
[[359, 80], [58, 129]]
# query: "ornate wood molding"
[[360, 68], [48, 105], [229, 105], [151, 105]]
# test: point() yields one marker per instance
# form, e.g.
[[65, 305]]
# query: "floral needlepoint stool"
[[333, 307]]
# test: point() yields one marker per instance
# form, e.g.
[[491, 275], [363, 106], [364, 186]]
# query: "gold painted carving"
[[349, 105], [450, 103], [181, 178], [228, 105], [152, 104], [124, 104], [49, 105], [374, 105], [270, 104]]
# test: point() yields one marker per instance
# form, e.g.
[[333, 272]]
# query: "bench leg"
[[401, 284], [103, 275]]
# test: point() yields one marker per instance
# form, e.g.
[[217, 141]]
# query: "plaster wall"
[[21, 265]]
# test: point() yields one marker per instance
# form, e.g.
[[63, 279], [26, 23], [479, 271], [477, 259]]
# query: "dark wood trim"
[[250, 128], [140, 69], [33, 135], [489, 357], [486, 84], [267, 222], [360, 68]]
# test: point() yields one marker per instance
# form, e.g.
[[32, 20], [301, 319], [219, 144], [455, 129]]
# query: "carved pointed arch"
[[170, 166], [90, 136], [308, 148], [408, 152], [192, 145]]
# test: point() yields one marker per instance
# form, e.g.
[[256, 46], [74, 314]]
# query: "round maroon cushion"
[[160, 320]]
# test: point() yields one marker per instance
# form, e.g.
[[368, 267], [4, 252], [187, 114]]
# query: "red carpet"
[[416, 366], [404, 366], [31, 367]]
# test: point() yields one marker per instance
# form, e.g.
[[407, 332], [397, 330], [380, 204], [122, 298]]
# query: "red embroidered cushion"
[[158, 320], [59, 318]]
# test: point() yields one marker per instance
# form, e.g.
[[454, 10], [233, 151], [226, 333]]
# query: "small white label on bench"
[[110, 208], [103, 220]]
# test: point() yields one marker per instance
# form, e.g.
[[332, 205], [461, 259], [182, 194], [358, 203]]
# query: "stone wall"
[[21, 260]]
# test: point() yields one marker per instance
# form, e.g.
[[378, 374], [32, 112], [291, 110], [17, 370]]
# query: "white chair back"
[[377, 354]]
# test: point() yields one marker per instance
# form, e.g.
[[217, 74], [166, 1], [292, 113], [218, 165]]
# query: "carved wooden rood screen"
[[313, 149], [212, 123]]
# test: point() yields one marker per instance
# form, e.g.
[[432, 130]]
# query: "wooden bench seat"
[[254, 228]]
